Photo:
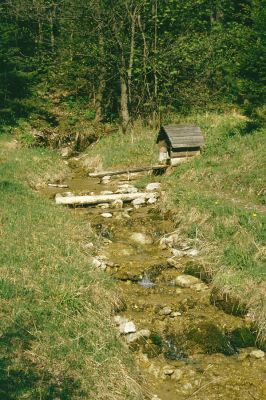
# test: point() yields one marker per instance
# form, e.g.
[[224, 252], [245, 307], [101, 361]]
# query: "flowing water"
[[189, 349]]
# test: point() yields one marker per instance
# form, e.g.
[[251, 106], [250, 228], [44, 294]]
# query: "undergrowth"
[[57, 336]]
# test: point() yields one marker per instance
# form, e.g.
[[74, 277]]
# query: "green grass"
[[218, 199], [57, 337]]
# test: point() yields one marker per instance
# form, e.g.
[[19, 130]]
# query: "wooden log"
[[126, 171], [90, 200], [58, 185]]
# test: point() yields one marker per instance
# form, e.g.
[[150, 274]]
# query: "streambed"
[[185, 347]]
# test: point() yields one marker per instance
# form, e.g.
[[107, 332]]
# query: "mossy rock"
[[209, 339], [242, 337]]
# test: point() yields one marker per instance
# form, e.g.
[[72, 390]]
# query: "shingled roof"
[[181, 136]]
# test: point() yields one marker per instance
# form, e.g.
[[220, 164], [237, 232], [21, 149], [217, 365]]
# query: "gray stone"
[[152, 200], [134, 337], [169, 241], [103, 205], [186, 281], [105, 192], [66, 152], [138, 202], [192, 253], [153, 186], [175, 314], [178, 253], [177, 375], [126, 188], [127, 327], [167, 370], [257, 354], [106, 215], [120, 320], [141, 238], [165, 311]]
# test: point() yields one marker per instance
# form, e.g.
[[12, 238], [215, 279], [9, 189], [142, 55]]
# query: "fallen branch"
[[127, 171], [82, 200]]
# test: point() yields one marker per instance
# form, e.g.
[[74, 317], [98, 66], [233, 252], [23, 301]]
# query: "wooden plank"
[[127, 171], [193, 143], [178, 131], [191, 137], [90, 200], [176, 154], [186, 145]]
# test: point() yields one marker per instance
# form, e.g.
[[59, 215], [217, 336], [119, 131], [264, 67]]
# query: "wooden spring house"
[[179, 142]]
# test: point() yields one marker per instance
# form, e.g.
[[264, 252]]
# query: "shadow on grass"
[[22, 379]]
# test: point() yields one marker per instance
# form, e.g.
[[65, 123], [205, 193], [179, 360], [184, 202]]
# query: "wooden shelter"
[[179, 142]]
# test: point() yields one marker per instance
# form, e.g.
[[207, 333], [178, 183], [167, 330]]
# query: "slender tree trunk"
[[124, 97], [132, 52], [102, 81]]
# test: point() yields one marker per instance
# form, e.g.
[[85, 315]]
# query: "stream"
[[184, 346]]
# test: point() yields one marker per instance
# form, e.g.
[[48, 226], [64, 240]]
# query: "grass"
[[57, 336], [218, 199]]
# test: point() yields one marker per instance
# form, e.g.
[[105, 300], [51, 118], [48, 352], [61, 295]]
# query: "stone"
[[192, 253], [169, 241], [175, 314], [89, 245], [167, 370], [106, 178], [126, 188], [106, 215], [177, 375], [141, 238], [165, 311], [96, 263], [257, 354], [152, 200], [178, 253], [134, 337], [66, 152], [117, 204], [138, 202], [155, 397], [153, 186], [127, 327], [186, 281], [103, 205]]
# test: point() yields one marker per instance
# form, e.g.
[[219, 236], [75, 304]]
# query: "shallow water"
[[196, 351]]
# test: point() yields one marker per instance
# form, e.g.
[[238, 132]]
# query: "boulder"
[[186, 281], [127, 327], [153, 186]]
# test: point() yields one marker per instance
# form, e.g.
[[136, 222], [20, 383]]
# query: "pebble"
[[127, 327], [139, 201], [192, 253], [153, 186], [168, 370], [141, 238], [106, 215], [257, 354], [152, 200], [186, 281], [175, 314], [177, 375], [103, 205], [133, 337], [178, 253], [165, 311]]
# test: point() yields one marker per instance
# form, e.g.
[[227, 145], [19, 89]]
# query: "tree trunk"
[[124, 96], [102, 82]]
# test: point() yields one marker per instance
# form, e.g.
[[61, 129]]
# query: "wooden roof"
[[180, 136]]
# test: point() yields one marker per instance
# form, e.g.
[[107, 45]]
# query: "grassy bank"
[[218, 199], [57, 338]]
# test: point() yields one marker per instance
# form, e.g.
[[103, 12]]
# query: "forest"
[[117, 61]]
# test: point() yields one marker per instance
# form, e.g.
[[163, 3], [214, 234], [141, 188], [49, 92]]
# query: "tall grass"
[[57, 337]]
